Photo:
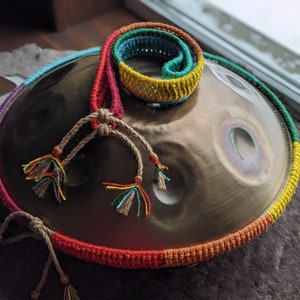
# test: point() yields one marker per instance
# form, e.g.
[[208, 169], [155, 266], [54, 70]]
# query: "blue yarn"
[[127, 194]]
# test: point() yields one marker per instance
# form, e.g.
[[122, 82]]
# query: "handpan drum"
[[231, 149]]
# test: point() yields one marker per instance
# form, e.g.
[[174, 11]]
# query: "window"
[[262, 36]]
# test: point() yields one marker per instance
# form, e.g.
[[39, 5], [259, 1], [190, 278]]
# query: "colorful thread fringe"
[[159, 172], [124, 201], [38, 171]]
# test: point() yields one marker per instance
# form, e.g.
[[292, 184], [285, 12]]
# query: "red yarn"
[[116, 104], [6, 199], [121, 258], [105, 78]]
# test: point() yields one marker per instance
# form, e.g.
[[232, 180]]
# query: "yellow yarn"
[[290, 187], [160, 90]]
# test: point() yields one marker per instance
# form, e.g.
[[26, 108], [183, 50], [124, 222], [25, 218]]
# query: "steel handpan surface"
[[228, 150]]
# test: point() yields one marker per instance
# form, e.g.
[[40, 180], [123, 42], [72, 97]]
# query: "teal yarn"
[[175, 53], [59, 62]]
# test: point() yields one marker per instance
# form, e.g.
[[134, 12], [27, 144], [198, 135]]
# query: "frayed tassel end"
[[36, 168], [124, 201], [39, 171], [41, 187], [70, 293], [159, 172], [161, 179]]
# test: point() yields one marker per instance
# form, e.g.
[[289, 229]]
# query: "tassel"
[[159, 172], [124, 201], [36, 168], [41, 187], [70, 293], [38, 171]]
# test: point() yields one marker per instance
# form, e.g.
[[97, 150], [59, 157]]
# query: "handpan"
[[147, 153]]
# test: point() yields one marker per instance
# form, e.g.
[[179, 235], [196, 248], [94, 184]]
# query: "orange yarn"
[[154, 259]]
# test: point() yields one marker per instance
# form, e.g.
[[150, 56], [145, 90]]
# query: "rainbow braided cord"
[[183, 65], [181, 71]]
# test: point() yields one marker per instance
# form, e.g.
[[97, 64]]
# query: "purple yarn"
[[10, 98]]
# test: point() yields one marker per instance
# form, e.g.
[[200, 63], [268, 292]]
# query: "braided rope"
[[38, 231], [181, 73], [290, 188]]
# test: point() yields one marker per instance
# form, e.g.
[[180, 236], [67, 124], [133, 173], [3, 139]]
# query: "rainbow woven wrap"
[[181, 72], [180, 76]]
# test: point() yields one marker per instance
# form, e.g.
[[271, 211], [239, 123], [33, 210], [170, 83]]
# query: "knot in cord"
[[104, 129], [104, 115], [40, 231], [37, 226]]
